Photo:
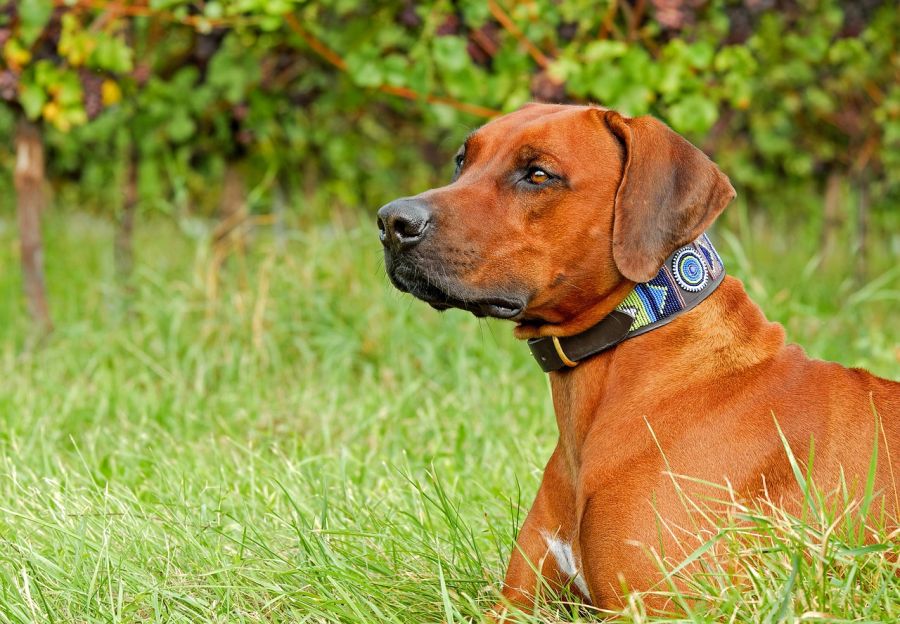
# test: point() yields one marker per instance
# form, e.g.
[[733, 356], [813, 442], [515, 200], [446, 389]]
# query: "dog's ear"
[[669, 194]]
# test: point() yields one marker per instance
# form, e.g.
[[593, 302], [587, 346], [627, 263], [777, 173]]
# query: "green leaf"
[[213, 10], [69, 93], [32, 98], [700, 54], [112, 54], [364, 70], [604, 50], [564, 69], [450, 53], [233, 71], [395, 70], [694, 114], [33, 16], [635, 99], [181, 127]]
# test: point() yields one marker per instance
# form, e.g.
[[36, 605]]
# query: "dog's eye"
[[459, 159], [537, 176]]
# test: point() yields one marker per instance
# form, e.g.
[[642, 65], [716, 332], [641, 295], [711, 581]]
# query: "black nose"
[[403, 222]]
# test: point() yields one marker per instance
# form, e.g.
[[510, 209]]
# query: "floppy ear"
[[669, 194]]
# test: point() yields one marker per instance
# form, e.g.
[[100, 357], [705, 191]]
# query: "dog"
[[587, 229]]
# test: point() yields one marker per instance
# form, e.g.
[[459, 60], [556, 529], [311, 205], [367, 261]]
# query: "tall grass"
[[289, 439]]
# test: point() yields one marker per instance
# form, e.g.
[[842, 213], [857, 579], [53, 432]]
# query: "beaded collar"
[[686, 278]]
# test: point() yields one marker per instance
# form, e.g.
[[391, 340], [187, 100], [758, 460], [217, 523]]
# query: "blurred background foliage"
[[359, 101]]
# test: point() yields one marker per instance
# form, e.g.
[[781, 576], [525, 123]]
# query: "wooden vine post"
[[124, 241], [230, 233], [28, 178]]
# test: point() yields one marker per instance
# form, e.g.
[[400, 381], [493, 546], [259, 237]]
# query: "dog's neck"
[[655, 371], [687, 277]]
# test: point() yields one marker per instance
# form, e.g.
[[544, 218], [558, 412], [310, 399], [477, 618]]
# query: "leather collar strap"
[[686, 278]]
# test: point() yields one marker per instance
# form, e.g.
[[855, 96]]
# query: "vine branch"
[[510, 26]]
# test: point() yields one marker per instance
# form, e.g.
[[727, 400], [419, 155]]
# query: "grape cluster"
[[9, 85], [91, 86]]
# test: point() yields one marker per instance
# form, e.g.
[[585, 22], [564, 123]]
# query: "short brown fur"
[[697, 397]]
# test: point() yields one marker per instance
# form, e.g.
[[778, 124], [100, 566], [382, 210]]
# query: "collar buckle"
[[562, 354]]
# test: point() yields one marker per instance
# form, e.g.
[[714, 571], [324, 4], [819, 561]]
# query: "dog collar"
[[686, 278]]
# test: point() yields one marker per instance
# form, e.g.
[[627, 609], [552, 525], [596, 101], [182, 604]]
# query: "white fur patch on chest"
[[566, 561]]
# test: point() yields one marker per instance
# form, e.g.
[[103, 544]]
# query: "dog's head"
[[552, 215]]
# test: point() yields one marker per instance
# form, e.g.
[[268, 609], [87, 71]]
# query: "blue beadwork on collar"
[[687, 277]]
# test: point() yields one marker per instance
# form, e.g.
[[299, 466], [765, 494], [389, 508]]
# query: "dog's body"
[[698, 398], [554, 215]]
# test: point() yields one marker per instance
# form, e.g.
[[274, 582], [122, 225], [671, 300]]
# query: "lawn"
[[288, 439]]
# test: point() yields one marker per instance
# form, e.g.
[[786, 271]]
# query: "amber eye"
[[538, 176]]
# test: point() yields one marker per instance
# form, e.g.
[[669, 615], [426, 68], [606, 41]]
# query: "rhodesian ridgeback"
[[587, 229]]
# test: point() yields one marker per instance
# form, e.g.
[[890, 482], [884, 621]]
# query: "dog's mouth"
[[443, 294], [495, 308]]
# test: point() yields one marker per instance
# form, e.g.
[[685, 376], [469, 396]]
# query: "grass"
[[294, 441]]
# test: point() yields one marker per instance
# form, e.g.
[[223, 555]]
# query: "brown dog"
[[565, 219]]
